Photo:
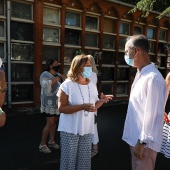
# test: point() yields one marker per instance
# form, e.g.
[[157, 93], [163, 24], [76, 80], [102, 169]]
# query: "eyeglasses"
[[129, 51]]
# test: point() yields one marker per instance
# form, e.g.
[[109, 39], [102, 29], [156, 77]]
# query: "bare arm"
[[103, 99]]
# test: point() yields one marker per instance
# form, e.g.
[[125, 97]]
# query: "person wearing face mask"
[[50, 80], [145, 115], [77, 102]]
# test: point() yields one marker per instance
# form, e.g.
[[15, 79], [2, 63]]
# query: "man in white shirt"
[[145, 115]]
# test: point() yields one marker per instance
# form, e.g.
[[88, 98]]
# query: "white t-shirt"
[[78, 122]]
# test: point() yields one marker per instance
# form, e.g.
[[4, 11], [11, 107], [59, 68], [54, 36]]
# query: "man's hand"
[[138, 151]]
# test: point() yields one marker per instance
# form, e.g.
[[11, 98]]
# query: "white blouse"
[[78, 122], [145, 115]]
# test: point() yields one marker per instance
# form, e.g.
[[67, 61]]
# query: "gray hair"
[[139, 41], [93, 64]]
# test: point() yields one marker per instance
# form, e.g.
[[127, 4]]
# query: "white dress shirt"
[[145, 114]]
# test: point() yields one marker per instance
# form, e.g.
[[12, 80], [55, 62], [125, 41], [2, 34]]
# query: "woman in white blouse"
[[77, 102]]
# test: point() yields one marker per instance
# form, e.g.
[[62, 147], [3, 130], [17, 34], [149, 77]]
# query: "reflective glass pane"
[[51, 35], [162, 48], [120, 59], [22, 72], [21, 10], [69, 54], [72, 19], [151, 33], [1, 28], [2, 50], [162, 35], [91, 23], [21, 31], [21, 93], [109, 25], [50, 52], [51, 16], [109, 42], [72, 37], [124, 28], [138, 30], [107, 88], [107, 73], [91, 40], [1, 7], [123, 73], [22, 52], [108, 57], [122, 41], [152, 47], [121, 89]]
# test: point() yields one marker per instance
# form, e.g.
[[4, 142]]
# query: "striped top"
[[145, 114]]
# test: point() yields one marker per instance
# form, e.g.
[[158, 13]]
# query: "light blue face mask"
[[87, 71], [129, 60]]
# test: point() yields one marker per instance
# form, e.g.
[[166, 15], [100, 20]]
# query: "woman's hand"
[[106, 98], [89, 107]]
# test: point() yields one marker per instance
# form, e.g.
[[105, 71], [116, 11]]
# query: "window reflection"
[[91, 23], [107, 73], [2, 50], [124, 28], [107, 88], [22, 72], [51, 16], [150, 33], [137, 30], [22, 52], [21, 10], [121, 89], [108, 57], [72, 19], [162, 35], [91, 40], [50, 52], [51, 35], [21, 93], [21, 31], [72, 37], [109, 42], [1, 28], [1, 7]]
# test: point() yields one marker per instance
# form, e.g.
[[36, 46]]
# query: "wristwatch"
[[142, 143]]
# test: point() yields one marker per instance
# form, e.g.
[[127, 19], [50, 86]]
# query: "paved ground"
[[20, 138]]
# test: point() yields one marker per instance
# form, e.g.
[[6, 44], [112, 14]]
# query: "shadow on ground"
[[20, 138]]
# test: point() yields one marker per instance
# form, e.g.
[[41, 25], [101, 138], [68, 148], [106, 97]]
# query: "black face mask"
[[55, 68]]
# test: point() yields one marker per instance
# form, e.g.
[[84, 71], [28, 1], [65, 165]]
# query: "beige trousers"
[[148, 163]]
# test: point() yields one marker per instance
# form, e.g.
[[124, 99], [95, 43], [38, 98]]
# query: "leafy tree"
[[146, 6]]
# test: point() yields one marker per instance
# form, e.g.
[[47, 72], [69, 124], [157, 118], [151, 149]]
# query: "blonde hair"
[[93, 64], [76, 67]]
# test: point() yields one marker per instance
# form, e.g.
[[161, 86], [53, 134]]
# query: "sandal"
[[53, 145], [44, 149], [94, 152]]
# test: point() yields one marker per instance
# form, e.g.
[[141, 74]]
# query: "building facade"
[[31, 31]]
